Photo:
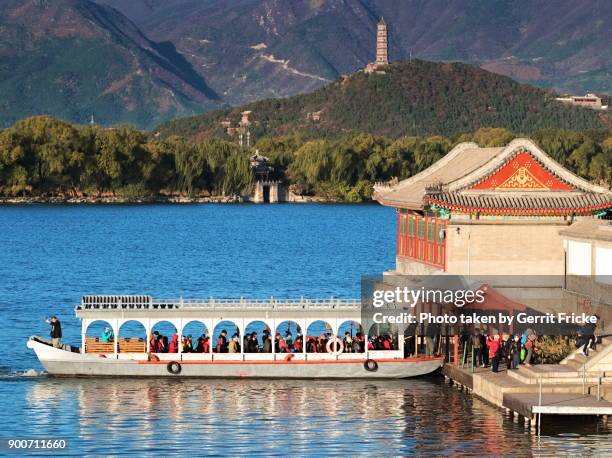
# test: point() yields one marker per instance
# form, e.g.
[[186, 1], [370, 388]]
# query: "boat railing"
[[114, 302]]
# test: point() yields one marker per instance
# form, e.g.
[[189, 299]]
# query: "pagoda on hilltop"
[[382, 48], [490, 211]]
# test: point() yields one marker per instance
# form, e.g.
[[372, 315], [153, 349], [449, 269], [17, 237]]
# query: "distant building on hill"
[[592, 101], [242, 129], [382, 48]]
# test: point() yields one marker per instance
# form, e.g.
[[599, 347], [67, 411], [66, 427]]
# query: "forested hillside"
[[409, 98]]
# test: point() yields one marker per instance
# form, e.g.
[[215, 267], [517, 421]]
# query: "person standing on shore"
[[484, 350], [477, 346], [56, 331], [528, 340], [516, 356], [494, 351]]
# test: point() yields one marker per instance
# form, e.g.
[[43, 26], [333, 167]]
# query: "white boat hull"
[[65, 363]]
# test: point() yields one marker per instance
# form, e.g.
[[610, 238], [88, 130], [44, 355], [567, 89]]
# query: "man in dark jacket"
[[56, 331]]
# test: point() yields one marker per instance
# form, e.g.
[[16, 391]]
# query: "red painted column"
[[401, 248]]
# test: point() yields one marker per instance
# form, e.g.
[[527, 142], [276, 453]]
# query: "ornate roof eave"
[[514, 147], [384, 194], [516, 211]]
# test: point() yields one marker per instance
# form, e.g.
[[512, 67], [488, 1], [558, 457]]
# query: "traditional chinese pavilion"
[[490, 211]]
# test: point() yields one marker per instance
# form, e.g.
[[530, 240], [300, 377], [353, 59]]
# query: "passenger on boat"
[[163, 344], [360, 342], [173, 345], [322, 343], [282, 346], [348, 342], [203, 344], [56, 331], [252, 343], [289, 339], [222, 342], [154, 342], [200, 344], [107, 335], [297, 345], [234, 345], [267, 342]]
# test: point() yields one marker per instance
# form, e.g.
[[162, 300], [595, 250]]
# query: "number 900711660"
[[33, 444]]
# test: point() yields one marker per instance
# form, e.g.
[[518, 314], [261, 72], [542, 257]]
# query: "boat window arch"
[[289, 326], [351, 326], [195, 328], [291, 337], [258, 326], [317, 334], [355, 330], [132, 329], [229, 327], [96, 328], [165, 333], [132, 337], [200, 335], [164, 327]]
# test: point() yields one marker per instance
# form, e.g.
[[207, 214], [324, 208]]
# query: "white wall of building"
[[603, 264], [578, 258]]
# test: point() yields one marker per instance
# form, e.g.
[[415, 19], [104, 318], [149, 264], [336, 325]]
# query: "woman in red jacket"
[[173, 345], [494, 347]]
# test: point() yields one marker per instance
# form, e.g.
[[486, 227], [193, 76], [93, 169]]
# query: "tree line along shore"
[[43, 159]]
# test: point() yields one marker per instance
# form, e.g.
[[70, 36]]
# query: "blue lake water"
[[51, 255]]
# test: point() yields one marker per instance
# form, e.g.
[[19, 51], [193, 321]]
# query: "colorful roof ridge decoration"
[[516, 180], [522, 173]]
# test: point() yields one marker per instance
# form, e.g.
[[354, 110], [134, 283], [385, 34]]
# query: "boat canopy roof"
[[143, 306]]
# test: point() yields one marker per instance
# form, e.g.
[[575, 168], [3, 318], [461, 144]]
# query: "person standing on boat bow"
[[56, 331]]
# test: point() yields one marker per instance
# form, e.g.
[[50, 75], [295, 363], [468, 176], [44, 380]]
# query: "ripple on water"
[[173, 417]]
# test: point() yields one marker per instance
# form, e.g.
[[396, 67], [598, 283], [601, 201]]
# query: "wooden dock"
[[529, 404], [529, 400]]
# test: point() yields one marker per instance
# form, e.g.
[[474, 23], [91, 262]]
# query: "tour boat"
[[132, 356]]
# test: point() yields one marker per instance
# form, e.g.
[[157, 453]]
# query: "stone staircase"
[[575, 373], [598, 360]]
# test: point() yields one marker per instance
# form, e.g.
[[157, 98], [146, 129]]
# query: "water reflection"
[[414, 417]]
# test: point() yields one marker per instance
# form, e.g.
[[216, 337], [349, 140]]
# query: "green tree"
[[492, 136]]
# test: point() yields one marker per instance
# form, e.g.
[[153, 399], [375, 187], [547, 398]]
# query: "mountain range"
[[76, 59], [148, 61]]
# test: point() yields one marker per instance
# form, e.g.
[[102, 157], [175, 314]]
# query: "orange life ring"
[[289, 357], [153, 357], [339, 345]]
